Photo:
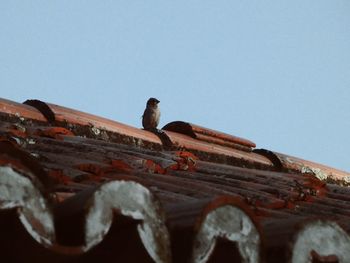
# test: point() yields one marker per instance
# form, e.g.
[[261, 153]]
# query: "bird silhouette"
[[151, 115]]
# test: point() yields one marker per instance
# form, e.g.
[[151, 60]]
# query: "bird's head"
[[153, 102]]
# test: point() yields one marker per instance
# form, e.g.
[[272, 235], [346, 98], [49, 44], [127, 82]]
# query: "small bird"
[[151, 115]]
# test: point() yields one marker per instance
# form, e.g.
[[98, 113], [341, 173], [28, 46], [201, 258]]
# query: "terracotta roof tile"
[[20, 110], [80, 188]]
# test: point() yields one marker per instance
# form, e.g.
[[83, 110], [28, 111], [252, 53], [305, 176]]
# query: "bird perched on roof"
[[151, 115]]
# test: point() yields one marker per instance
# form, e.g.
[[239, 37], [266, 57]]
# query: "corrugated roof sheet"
[[79, 188]]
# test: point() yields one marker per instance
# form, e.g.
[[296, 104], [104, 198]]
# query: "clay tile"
[[322, 172], [20, 110], [63, 114], [211, 136]]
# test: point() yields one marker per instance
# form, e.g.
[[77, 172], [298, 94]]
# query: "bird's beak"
[[157, 101]]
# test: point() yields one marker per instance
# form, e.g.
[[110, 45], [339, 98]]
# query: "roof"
[[80, 188]]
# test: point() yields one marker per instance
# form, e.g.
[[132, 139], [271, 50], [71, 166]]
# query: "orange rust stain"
[[60, 177], [187, 155], [96, 172], [17, 133], [120, 165], [153, 167], [256, 204], [185, 161], [99, 173], [303, 191], [290, 205], [316, 186], [54, 132], [310, 188]]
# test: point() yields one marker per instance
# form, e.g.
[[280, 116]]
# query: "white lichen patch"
[[324, 237], [20, 127], [95, 130], [233, 224], [35, 155], [17, 191], [17, 140], [31, 141], [19, 116], [347, 179], [133, 200], [321, 175]]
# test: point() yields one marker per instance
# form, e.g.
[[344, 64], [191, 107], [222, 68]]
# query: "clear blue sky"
[[276, 72]]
